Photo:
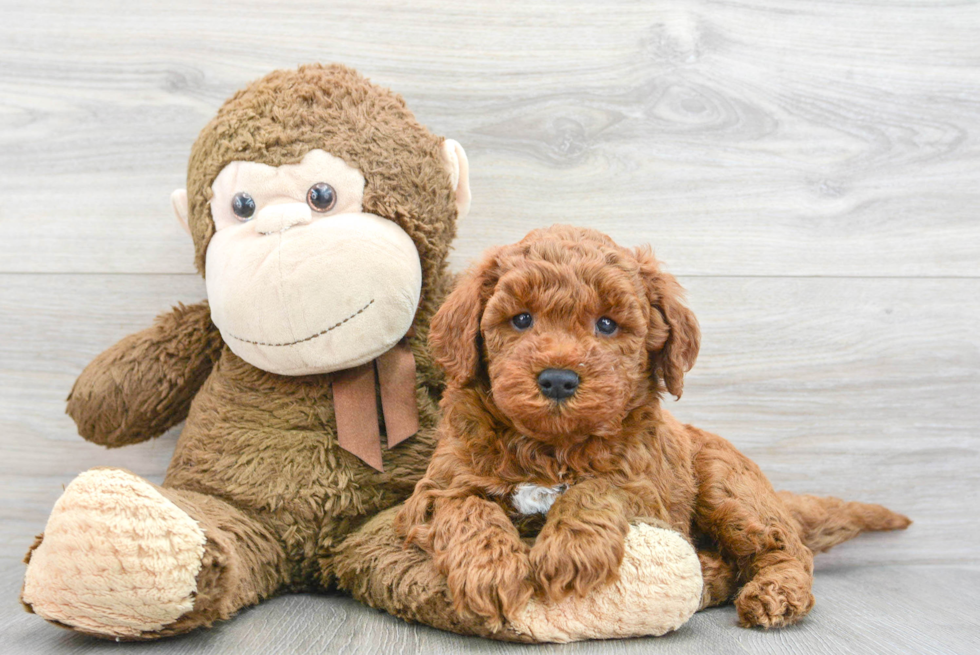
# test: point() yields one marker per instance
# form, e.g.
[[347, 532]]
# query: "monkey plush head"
[[320, 211]]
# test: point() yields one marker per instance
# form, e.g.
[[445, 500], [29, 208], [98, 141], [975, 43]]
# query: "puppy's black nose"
[[558, 383]]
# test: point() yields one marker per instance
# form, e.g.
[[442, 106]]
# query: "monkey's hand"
[[143, 385]]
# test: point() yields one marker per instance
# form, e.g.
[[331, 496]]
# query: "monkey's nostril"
[[558, 383]]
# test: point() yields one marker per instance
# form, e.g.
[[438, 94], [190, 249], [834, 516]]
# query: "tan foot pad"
[[658, 591], [118, 559]]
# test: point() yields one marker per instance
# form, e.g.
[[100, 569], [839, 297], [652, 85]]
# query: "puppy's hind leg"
[[739, 509], [720, 578]]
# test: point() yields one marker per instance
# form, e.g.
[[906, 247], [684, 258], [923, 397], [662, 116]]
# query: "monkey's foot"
[[117, 559], [658, 590]]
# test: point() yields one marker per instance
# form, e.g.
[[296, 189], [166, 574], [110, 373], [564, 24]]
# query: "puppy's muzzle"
[[558, 383]]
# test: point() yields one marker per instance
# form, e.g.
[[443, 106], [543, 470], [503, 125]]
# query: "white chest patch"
[[535, 499]]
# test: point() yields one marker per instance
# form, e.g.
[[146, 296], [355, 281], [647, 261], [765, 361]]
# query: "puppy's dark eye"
[[243, 206], [606, 326], [321, 197], [522, 321]]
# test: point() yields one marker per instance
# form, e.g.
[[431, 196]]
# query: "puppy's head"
[[568, 330]]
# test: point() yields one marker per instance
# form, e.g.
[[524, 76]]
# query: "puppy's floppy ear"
[[674, 337], [454, 335]]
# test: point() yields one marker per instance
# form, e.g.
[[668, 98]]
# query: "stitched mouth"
[[309, 338]]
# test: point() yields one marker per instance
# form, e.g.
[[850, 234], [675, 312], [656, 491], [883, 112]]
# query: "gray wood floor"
[[881, 610], [809, 170]]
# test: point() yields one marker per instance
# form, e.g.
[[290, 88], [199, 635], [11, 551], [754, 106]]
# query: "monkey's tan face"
[[300, 280]]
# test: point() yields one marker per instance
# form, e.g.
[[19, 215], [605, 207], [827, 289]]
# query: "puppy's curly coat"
[[535, 307]]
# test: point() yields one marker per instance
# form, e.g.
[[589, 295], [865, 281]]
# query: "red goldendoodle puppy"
[[557, 350]]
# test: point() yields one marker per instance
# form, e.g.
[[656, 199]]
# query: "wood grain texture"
[[871, 611], [740, 137], [809, 170]]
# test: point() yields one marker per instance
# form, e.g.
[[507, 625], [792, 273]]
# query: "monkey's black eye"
[[606, 326], [321, 197], [243, 206], [522, 321]]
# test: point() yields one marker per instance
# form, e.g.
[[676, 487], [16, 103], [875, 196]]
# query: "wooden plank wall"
[[809, 170]]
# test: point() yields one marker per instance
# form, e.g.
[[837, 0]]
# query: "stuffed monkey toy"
[[322, 214]]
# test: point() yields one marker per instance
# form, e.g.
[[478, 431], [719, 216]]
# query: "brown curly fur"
[[624, 457]]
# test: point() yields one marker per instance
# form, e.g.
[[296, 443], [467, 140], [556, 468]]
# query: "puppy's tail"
[[828, 521]]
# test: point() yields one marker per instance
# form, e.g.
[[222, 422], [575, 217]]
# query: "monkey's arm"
[[143, 385]]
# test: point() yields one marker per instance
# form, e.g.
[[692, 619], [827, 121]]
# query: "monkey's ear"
[[459, 171], [454, 334], [673, 337], [179, 201]]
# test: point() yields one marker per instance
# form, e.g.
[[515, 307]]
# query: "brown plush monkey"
[[322, 213]]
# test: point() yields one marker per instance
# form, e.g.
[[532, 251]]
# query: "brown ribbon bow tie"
[[356, 408]]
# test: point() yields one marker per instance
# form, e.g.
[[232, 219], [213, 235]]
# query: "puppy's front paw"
[[774, 598], [492, 582], [566, 561], [659, 589]]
